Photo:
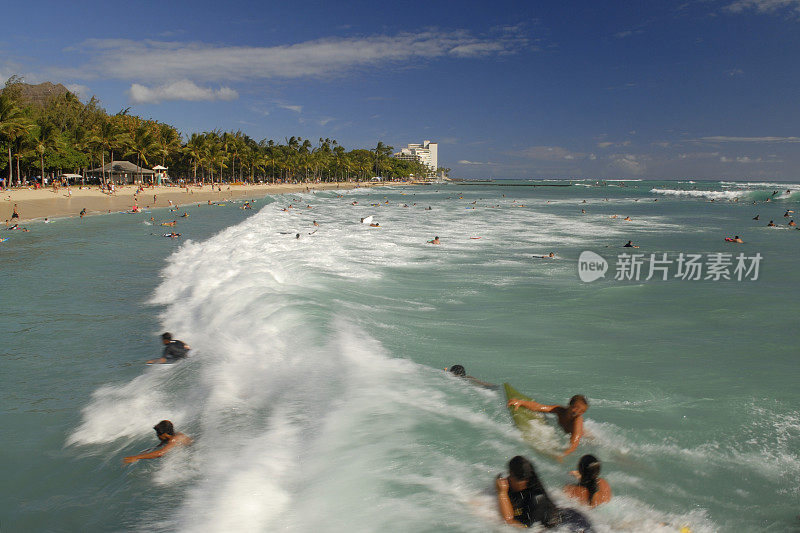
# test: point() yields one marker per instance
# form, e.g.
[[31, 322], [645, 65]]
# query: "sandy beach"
[[34, 205]]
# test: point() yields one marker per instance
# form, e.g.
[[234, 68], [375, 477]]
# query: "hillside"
[[40, 94]]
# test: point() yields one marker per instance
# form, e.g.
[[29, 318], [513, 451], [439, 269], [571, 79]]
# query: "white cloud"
[[764, 6], [550, 153], [749, 160], [178, 90], [78, 89], [724, 139], [628, 163], [161, 60], [607, 144], [465, 162], [627, 33], [290, 107]]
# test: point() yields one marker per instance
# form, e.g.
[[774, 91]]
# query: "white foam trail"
[[302, 420], [715, 195]]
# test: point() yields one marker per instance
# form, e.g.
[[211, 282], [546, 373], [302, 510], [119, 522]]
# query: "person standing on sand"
[[170, 439], [570, 418], [15, 214]]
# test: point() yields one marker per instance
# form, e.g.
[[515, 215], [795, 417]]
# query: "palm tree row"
[[65, 135]]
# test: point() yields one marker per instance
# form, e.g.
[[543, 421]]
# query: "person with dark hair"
[[174, 350], [459, 371], [570, 418], [169, 438], [591, 489], [523, 501]]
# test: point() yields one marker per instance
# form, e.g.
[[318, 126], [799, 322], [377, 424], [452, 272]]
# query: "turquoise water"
[[315, 390]]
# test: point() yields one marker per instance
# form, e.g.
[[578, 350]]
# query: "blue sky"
[[659, 89]]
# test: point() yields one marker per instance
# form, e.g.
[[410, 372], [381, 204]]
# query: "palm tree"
[[142, 145], [44, 139], [168, 140], [13, 124], [103, 137], [382, 151], [194, 149]]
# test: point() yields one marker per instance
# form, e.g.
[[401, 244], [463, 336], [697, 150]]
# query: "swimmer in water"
[[570, 418], [297, 236], [771, 224], [523, 502], [630, 244], [551, 255], [434, 241], [628, 219], [591, 489], [170, 439], [315, 223], [791, 223], [459, 371], [756, 217], [172, 235], [737, 239], [185, 215]]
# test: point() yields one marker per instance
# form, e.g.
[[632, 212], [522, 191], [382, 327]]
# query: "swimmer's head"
[[457, 370], [578, 405], [297, 236], [164, 429], [521, 469], [166, 338], [589, 467]]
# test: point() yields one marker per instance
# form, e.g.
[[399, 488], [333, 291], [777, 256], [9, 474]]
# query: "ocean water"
[[315, 389]]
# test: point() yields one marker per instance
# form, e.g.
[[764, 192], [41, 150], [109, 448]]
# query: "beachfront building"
[[124, 172], [426, 153]]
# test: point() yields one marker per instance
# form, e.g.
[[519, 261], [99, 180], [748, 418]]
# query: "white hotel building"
[[426, 153]]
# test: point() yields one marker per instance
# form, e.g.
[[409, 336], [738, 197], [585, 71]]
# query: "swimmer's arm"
[[504, 503], [159, 361], [480, 383], [530, 404], [158, 452], [575, 437]]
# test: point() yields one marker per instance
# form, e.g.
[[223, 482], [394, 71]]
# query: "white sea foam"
[[714, 195], [303, 421]]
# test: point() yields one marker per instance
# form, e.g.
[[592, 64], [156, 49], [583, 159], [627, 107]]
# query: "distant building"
[[426, 153]]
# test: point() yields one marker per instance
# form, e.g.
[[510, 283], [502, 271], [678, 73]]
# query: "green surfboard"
[[533, 425]]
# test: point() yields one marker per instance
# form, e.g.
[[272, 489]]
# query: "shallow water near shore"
[[315, 389]]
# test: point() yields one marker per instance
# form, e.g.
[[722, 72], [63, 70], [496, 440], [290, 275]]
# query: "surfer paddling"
[[461, 372], [169, 441], [173, 350], [570, 418]]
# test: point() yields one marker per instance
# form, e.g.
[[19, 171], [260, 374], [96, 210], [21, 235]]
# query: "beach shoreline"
[[37, 204]]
